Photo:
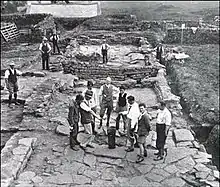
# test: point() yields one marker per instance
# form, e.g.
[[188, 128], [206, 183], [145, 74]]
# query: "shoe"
[[145, 153], [158, 158], [156, 153], [136, 145], [74, 148], [17, 103], [140, 159], [129, 149], [90, 145]]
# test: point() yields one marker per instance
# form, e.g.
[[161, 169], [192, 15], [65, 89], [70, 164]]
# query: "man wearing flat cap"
[[11, 81], [45, 49]]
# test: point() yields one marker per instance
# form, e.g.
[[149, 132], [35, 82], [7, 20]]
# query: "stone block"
[[171, 169], [182, 135], [60, 179], [63, 130], [26, 176], [39, 74], [20, 150], [81, 180], [174, 182], [37, 179], [29, 142], [89, 160], [144, 169], [186, 163], [154, 177]]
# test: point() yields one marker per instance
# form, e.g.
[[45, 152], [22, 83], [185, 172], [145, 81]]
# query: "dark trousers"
[[104, 56], [124, 117], [132, 136], [73, 137], [45, 61], [161, 138], [93, 121], [55, 45], [103, 106]]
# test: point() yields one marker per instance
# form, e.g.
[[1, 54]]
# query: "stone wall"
[[86, 71], [201, 36]]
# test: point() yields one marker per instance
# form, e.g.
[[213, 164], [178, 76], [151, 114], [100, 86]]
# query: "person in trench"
[[45, 49], [86, 137]]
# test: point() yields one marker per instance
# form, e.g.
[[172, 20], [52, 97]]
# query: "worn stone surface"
[[174, 182], [143, 169], [63, 130], [29, 142], [37, 179], [60, 179], [20, 150], [89, 160], [154, 177], [80, 179], [182, 135], [171, 169], [71, 155], [26, 176]]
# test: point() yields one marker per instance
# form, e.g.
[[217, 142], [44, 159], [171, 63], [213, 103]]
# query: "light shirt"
[[93, 100], [164, 117], [48, 45], [7, 73], [85, 106], [105, 46], [133, 114], [114, 88], [56, 37]]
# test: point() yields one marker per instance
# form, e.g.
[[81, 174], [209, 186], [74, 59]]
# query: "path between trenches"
[[52, 163]]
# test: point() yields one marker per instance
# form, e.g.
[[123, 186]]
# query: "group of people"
[[136, 120]]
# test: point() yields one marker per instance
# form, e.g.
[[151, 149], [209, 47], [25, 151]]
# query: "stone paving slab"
[[104, 151], [14, 157]]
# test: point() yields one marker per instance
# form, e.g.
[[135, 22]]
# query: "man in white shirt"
[[106, 93], [162, 125], [93, 101], [105, 47], [132, 120], [11, 82], [45, 50], [86, 120]]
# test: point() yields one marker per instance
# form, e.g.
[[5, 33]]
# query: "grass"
[[198, 81]]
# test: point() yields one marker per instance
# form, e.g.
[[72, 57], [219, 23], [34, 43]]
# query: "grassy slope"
[[198, 80]]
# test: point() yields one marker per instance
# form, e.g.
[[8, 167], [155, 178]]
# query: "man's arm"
[[115, 90], [19, 73], [6, 78], [40, 48], [100, 94], [49, 48]]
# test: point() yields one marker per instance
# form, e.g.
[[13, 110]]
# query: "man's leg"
[[43, 63], [73, 140], [141, 156], [47, 63], [117, 121], [57, 48], [109, 111], [130, 138], [9, 99], [106, 58], [54, 45], [93, 122], [124, 117], [102, 112]]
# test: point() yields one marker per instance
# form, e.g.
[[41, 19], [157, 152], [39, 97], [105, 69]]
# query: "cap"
[[89, 93], [109, 79], [11, 64]]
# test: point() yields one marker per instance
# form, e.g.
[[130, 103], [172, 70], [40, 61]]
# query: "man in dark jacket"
[[143, 131], [159, 52], [121, 108], [73, 119]]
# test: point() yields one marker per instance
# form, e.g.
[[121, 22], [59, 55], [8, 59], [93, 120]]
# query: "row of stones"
[[14, 157]]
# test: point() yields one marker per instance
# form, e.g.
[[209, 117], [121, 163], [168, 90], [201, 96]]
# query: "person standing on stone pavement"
[[11, 82], [45, 49], [121, 109], [73, 119], [106, 93], [93, 102], [162, 126], [132, 120], [86, 119], [104, 49], [142, 131], [54, 39]]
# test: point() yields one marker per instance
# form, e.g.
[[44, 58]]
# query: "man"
[[86, 120], [11, 82], [106, 93], [105, 47], [45, 50], [162, 125], [121, 108], [73, 119], [142, 131], [54, 39], [132, 120], [93, 102], [159, 52]]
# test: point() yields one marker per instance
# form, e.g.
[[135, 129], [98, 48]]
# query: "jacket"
[[143, 125]]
